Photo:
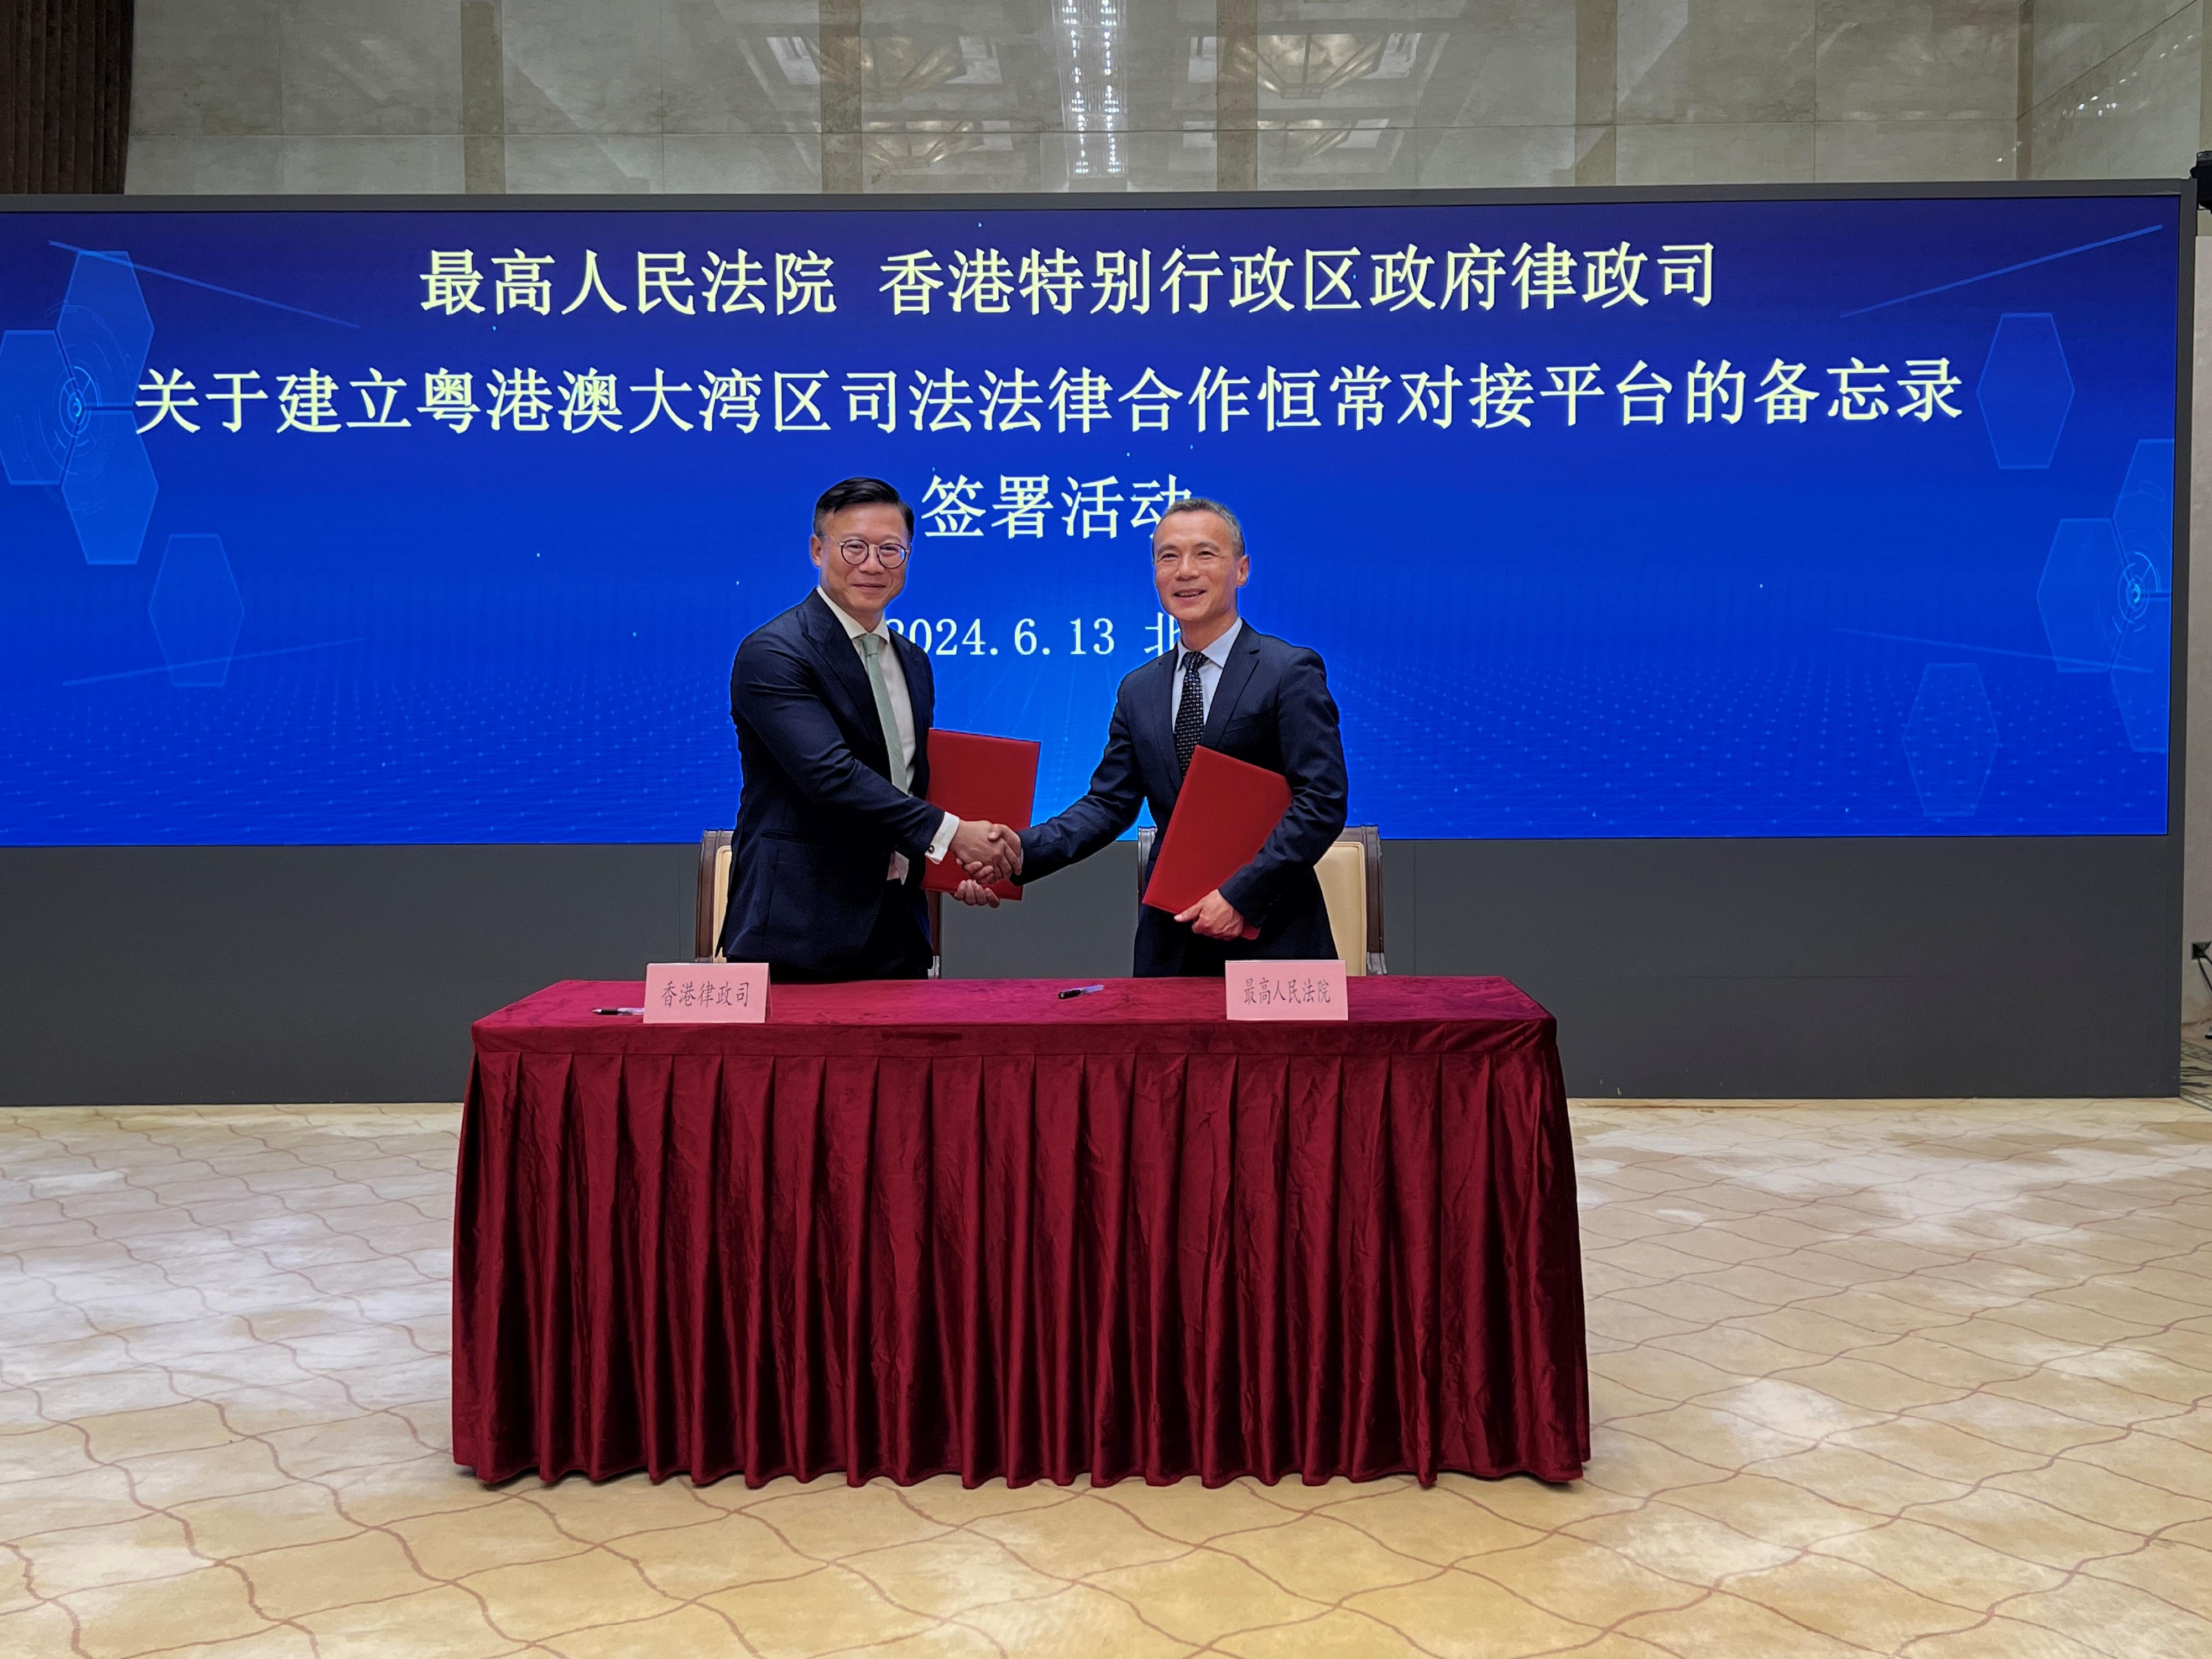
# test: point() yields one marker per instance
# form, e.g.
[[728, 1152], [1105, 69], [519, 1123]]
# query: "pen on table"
[[1076, 991], [617, 1011]]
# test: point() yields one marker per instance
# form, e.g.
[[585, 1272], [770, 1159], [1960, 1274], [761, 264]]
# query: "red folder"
[[1223, 817], [991, 779]]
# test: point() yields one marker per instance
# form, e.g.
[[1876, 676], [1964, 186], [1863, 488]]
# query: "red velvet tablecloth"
[[907, 1229]]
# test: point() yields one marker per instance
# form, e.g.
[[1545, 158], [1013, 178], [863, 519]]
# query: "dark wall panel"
[[1826, 968], [1083, 921], [1702, 969], [215, 974]]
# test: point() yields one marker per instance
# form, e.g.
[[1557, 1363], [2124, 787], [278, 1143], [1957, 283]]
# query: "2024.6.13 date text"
[[1077, 637]]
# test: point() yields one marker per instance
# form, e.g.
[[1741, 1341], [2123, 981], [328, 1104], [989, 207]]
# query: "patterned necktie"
[[1190, 712], [872, 647]]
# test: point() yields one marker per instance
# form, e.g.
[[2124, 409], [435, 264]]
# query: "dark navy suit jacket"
[[817, 817], [1272, 708]]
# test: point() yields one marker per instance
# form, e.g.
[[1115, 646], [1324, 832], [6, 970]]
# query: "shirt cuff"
[[943, 838]]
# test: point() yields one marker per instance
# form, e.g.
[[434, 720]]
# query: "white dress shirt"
[[1209, 672], [901, 712]]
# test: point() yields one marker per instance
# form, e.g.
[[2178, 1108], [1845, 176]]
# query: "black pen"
[[1078, 990], [617, 1011]]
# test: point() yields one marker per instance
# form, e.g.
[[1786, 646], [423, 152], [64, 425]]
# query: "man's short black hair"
[[859, 492]]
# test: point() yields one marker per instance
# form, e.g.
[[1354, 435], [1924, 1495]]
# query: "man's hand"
[[987, 852], [974, 892], [1215, 917]]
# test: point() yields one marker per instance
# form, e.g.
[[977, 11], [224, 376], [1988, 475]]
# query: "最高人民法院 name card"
[[1285, 990], [706, 993]]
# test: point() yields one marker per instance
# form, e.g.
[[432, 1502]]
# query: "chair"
[[1351, 875], [713, 895], [712, 902]]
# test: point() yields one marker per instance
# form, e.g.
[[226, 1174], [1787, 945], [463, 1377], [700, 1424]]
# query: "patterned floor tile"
[[1926, 1378]]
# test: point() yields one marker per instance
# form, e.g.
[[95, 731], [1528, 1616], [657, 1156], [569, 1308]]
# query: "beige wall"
[[329, 95], [2115, 89], [333, 95]]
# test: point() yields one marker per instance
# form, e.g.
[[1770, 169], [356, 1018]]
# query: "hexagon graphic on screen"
[[2083, 595], [109, 487], [41, 409], [196, 610], [2142, 678], [105, 328], [2143, 513], [68, 407], [1950, 738], [2026, 390]]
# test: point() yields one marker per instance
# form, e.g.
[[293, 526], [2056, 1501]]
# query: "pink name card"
[[1285, 990], [706, 993]]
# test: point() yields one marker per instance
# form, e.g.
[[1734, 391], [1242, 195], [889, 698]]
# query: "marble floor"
[[1929, 1378]]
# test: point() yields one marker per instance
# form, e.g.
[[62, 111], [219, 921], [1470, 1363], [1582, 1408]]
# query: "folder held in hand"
[[1223, 817], [988, 780]]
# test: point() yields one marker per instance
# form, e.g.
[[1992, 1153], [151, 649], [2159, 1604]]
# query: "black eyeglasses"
[[856, 551]]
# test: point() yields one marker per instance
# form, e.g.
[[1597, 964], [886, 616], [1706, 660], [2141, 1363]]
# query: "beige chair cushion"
[[1343, 873], [721, 893]]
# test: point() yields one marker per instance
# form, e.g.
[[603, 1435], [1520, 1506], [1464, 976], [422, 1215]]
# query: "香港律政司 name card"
[[1285, 990], [706, 993]]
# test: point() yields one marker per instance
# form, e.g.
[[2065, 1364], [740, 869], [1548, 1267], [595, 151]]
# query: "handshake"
[[989, 853]]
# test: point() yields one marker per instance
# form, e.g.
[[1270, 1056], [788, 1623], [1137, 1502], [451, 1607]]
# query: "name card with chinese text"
[[1285, 990], [706, 993]]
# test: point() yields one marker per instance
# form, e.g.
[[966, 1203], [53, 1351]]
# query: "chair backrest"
[[713, 904], [1342, 871], [713, 897], [1351, 876], [1351, 886]]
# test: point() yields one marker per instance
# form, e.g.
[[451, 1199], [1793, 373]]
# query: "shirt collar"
[[853, 629], [1218, 653]]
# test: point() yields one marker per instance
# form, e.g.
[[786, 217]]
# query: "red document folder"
[[1223, 817], [992, 780]]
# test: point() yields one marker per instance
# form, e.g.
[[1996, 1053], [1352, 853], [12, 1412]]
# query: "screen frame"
[[2184, 191]]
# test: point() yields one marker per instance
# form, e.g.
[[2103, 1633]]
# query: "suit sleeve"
[[1313, 761], [774, 692], [1117, 792]]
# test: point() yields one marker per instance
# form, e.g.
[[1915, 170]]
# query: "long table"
[[906, 1228]]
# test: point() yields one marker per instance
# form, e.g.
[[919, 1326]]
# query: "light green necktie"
[[871, 649]]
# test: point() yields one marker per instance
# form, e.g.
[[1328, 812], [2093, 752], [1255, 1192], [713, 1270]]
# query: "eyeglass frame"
[[881, 550]]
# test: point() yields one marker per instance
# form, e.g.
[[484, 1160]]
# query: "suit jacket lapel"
[[922, 700], [921, 683], [842, 659], [1236, 675]]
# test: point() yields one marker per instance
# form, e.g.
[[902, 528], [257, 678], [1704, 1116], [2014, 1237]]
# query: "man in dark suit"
[[1229, 687], [833, 710]]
